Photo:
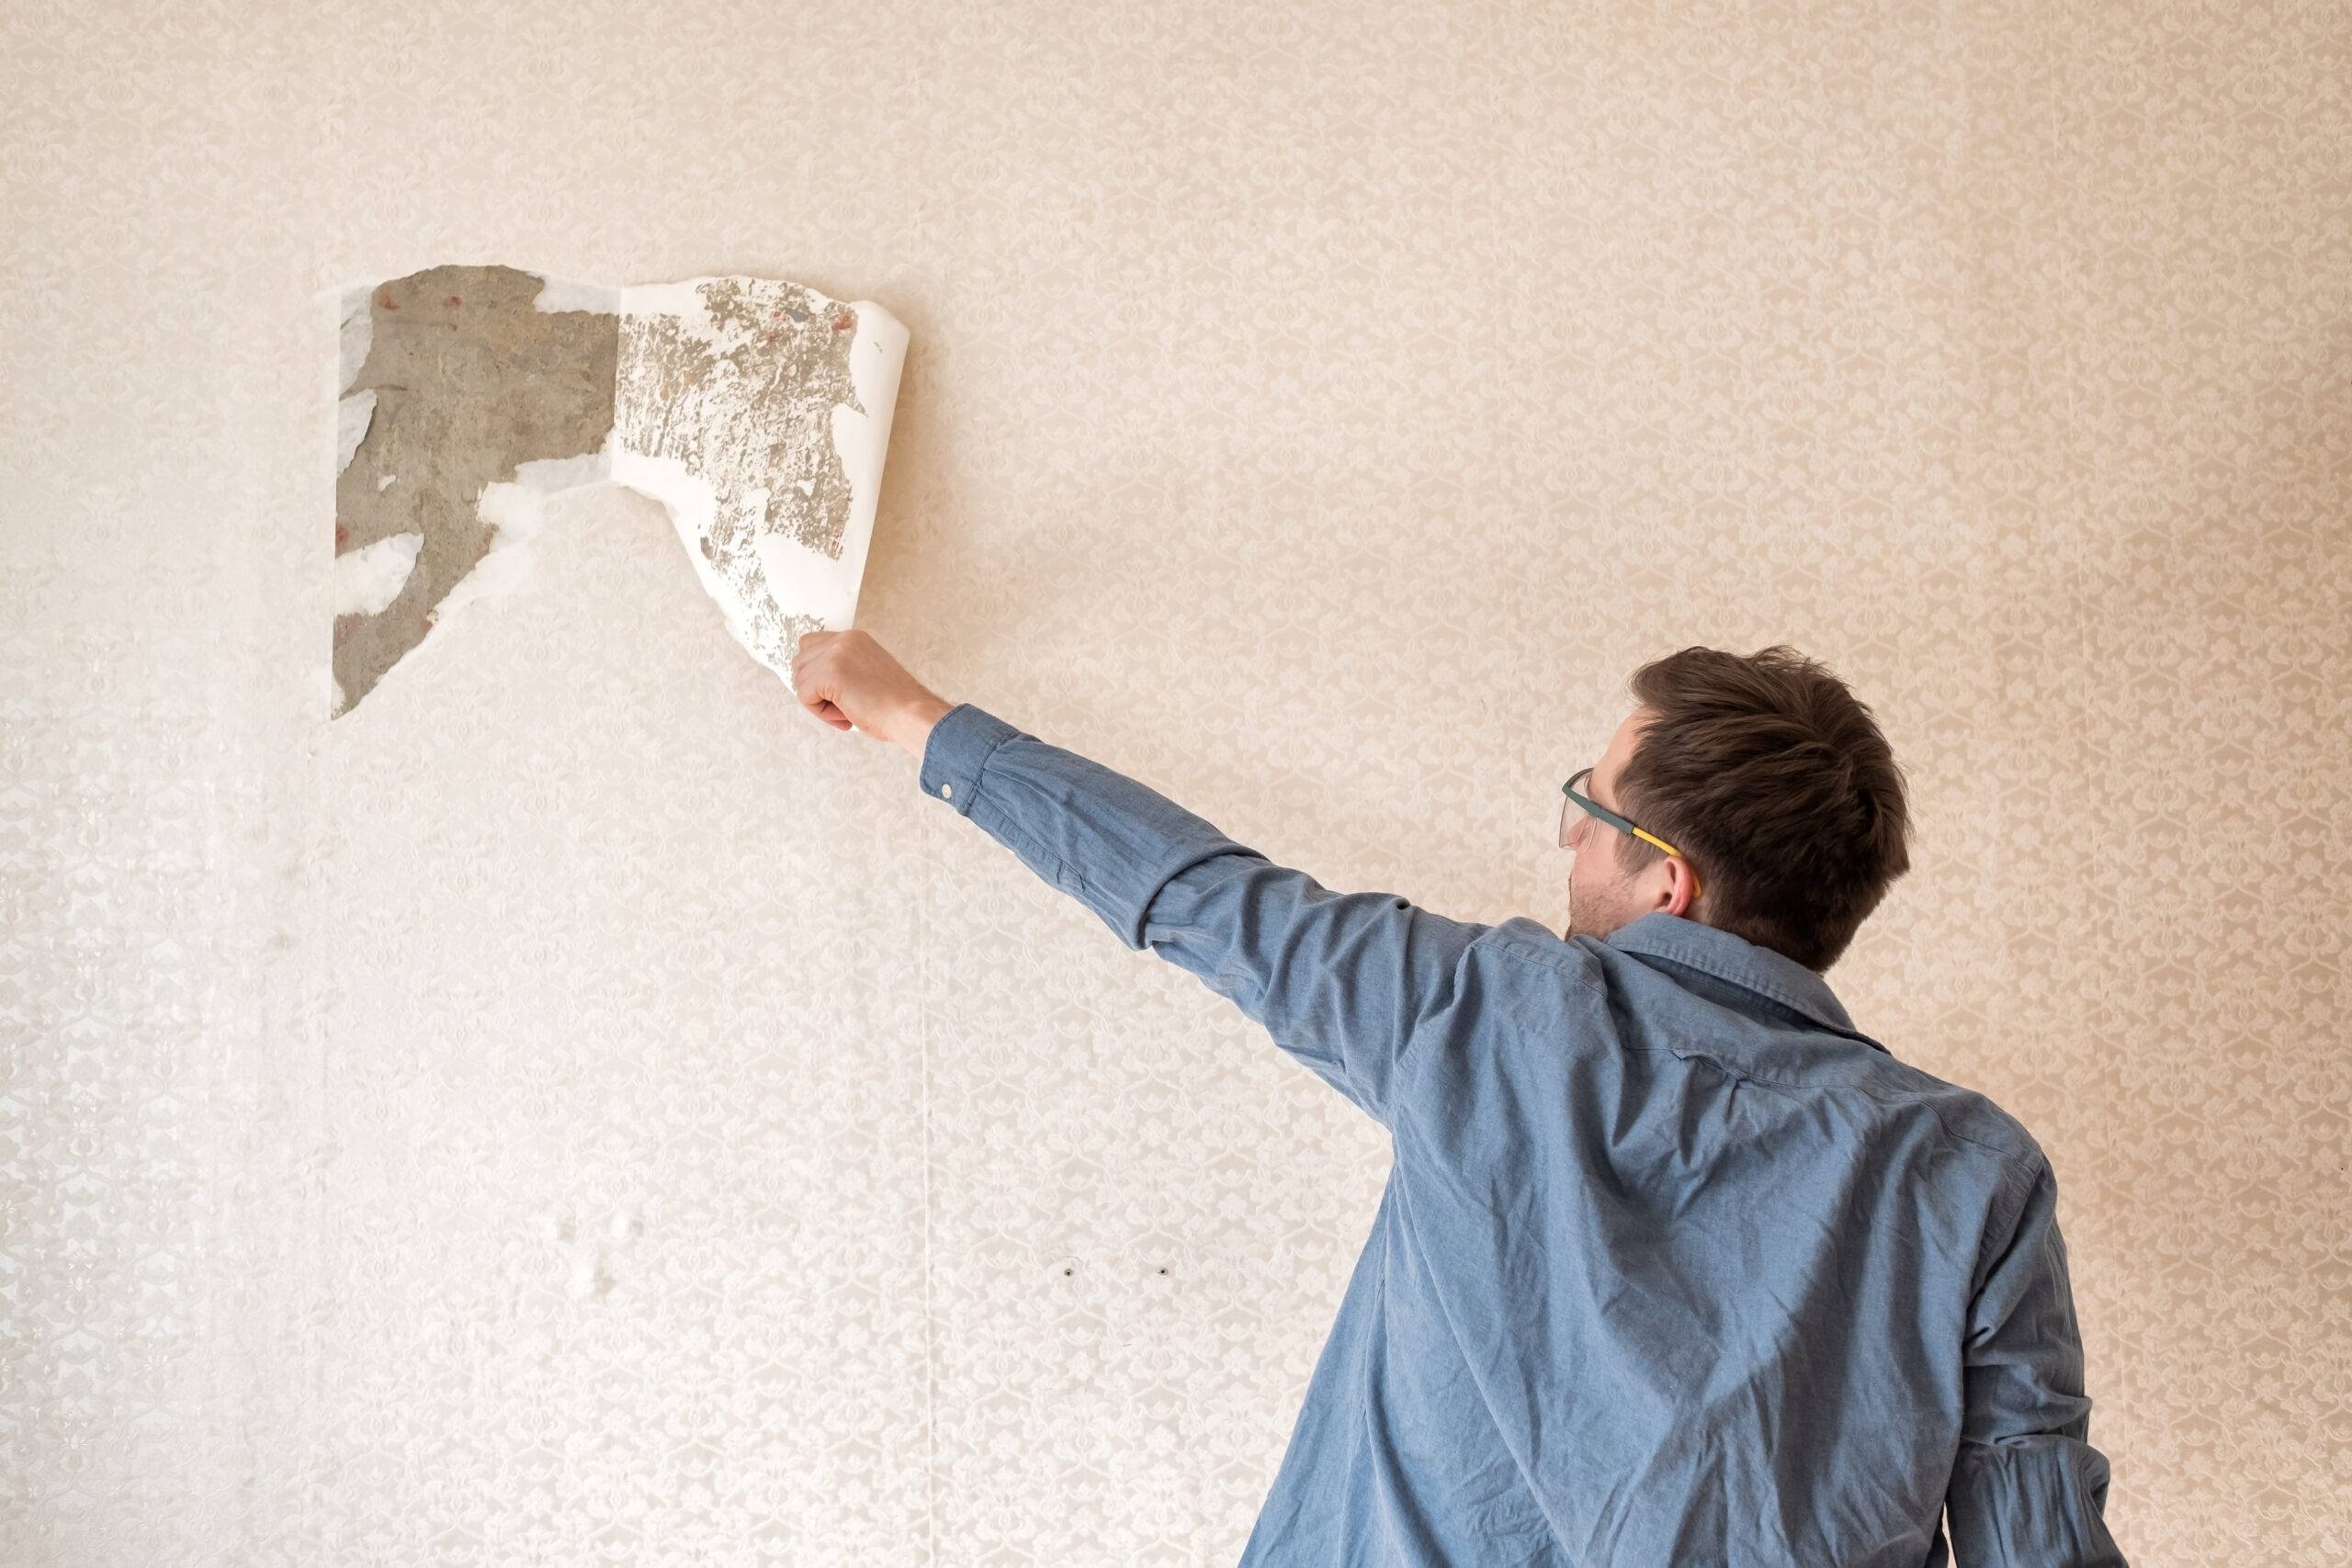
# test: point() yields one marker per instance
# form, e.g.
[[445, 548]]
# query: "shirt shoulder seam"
[[1526, 949]]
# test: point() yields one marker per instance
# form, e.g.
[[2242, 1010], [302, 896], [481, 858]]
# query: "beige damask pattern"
[[654, 1134]]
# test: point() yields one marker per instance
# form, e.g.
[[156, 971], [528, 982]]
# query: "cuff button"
[[947, 789]]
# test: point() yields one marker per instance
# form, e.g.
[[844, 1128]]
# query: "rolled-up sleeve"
[[1340, 981], [2027, 1486]]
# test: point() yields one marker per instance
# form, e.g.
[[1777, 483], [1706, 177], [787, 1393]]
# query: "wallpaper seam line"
[[926, 829]]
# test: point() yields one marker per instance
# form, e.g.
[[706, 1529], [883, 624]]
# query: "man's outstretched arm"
[[1341, 980]]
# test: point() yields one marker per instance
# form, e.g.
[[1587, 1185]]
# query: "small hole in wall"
[[1067, 1271], [1163, 1271]]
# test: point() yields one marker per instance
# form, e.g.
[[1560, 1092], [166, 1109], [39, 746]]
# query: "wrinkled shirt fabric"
[[1673, 1264]]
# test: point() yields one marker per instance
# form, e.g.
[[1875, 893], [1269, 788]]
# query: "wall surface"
[[580, 1109]]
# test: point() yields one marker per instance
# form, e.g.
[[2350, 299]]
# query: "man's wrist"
[[913, 730]]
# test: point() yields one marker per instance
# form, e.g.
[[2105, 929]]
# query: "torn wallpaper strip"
[[756, 410]]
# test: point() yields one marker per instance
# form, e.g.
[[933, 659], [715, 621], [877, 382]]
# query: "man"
[[1674, 1265]]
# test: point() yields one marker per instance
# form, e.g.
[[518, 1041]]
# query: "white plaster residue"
[[683, 300], [588, 1276], [591, 1273], [562, 294], [358, 332], [518, 509], [370, 578], [351, 416], [385, 483]]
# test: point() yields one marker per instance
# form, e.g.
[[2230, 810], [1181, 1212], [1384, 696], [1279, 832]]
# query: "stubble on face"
[[1597, 907], [1603, 901]]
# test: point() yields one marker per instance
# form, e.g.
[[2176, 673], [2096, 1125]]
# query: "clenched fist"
[[850, 681]]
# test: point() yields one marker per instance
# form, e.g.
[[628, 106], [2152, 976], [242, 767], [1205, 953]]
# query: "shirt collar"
[[1736, 959]]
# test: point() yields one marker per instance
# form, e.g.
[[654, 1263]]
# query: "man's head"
[[1770, 778]]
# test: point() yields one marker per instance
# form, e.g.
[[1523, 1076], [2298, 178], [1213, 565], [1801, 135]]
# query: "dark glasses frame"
[[1623, 824]]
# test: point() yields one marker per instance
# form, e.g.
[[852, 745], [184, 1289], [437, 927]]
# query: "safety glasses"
[[1623, 824]]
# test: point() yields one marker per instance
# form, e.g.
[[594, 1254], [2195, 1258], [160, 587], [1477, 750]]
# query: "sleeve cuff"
[[955, 750]]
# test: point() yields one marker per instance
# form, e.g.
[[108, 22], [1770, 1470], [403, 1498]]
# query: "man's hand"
[[851, 682]]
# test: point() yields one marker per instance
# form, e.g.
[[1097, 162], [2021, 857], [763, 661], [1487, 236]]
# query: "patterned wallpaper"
[[579, 1108]]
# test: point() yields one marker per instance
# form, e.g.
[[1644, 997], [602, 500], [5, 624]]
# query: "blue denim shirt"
[[1673, 1266]]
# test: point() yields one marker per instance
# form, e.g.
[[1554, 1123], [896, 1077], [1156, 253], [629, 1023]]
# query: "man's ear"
[[1678, 895]]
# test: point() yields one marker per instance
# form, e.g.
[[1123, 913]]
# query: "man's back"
[[1674, 1266]]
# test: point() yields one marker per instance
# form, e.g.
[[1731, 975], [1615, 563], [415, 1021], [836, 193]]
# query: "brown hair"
[[1768, 775]]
